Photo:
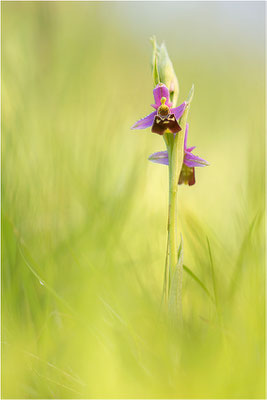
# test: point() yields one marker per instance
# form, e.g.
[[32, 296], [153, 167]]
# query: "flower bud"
[[162, 70], [167, 74], [155, 54]]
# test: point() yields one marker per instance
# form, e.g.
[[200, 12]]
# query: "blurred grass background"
[[84, 213]]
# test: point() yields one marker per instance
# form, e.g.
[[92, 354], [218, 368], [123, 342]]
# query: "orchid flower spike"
[[187, 175], [165, 118]]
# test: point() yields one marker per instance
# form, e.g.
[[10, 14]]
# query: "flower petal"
[[161, 157], [189, 149], [178, 111], [185, 136], [145, 122], [190, 160], [160, 91]]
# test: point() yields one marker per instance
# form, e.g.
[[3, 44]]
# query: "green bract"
[[163, 71]]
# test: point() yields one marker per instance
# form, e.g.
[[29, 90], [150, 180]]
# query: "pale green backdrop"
[[84, 213]]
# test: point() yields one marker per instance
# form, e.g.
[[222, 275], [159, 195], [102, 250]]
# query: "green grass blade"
[[198, 281], [175, 299]]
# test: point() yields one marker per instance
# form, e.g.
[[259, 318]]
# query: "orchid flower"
[[165, 117], [171, 123], [187, 175]]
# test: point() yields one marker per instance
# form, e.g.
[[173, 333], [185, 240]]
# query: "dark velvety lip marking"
[[160, 124]]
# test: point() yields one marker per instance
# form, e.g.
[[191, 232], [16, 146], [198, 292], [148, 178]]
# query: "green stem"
[[172, 213], [175, 165], [175, 169], [166, 273], [172, 224], [175, 147], [168, 138]]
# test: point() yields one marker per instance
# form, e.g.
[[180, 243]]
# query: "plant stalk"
[[175, 147]]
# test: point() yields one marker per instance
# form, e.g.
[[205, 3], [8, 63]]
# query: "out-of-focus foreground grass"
[[84, 213]]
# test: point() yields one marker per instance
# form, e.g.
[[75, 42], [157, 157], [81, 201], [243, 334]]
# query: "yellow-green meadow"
[[84, 212]]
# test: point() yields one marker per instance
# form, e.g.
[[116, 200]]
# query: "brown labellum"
[[162, 124], [187, 176]]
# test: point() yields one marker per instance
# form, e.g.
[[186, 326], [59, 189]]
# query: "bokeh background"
[[84, 213]]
